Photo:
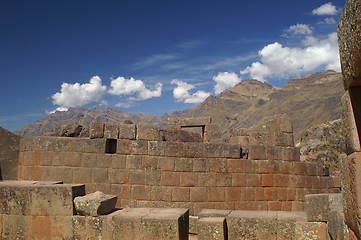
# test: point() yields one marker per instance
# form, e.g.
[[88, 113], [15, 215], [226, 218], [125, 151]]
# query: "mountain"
[[308, 100], [9, 151]]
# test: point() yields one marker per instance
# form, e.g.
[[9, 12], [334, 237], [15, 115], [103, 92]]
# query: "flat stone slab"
[[213, 213], [38, 198], [318, 206], [95, 204], [212, 228], [151, 223], [271, 225]]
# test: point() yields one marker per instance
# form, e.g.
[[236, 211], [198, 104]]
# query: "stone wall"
[[349, 36], [254, 171]]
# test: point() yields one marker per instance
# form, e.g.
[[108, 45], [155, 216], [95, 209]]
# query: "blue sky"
[[156, 56]]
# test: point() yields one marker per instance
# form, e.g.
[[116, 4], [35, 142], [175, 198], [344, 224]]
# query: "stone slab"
[[151, 223], [25, 198], [264, 224], [96, 130], [205, 213], [212, 228], [349, 125], [127, 131], [349, 41], [95, 204]]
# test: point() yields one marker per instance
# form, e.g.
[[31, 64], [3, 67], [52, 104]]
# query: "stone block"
[[319, 206], [155, 148], [218, 150], [351, 191], [257, 152], [111, 131], [349, 32], [212, 228], [96, 130], [349, 125], [252, 225], [193, 224], [90, 145], [132, 147], [88, 227], [213, 213], [151, 223], [150, 133], [95, 204], [127, 131], [26, 198], [311, 230]]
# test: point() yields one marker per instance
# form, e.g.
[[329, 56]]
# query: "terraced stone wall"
[[253, 171]]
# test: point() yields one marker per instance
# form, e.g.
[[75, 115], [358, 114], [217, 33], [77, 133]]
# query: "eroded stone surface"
[[95, 204]]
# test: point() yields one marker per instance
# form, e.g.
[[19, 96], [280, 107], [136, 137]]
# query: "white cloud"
[[299, 29], [59, 109], [283, 62], [123, 86], [123, 105], [225, 80], [325, 9], [181, 93], [76, 95], [329, 21]]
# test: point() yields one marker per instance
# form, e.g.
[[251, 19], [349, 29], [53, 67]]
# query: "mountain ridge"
[[308, 100]]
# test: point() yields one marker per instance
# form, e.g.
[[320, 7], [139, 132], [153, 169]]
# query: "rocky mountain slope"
[[308, 100], [9, 151], [324, 143]]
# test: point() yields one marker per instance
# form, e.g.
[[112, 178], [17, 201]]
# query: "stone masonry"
[[254, 170], [349, 35]]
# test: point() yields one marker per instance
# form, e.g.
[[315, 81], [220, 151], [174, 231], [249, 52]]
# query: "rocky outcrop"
[[324, 143]]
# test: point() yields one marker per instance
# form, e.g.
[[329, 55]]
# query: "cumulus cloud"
[[123, 86], [59, 109], [325, 9], [77, 95], [298, 29], [225, 80], [279, 61], [181, 93], [123, 105], [330, 21]]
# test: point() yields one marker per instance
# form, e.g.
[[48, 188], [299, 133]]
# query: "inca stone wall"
[[349, 34], [254, 171]]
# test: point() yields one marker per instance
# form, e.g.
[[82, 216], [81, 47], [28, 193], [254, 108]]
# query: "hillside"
[[308, 100], [9, 151]]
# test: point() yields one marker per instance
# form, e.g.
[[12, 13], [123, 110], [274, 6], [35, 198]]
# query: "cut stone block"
[[127, 131], [96, 130], [87, 227], [349, 125], [349, 32], [149, 133], [311, 230], [319, 206], [212, 228], [151, 223], [27, 198], [111, 131], [205, 213], [95, 204], [351, 191], [268, 225], [193, 224]]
